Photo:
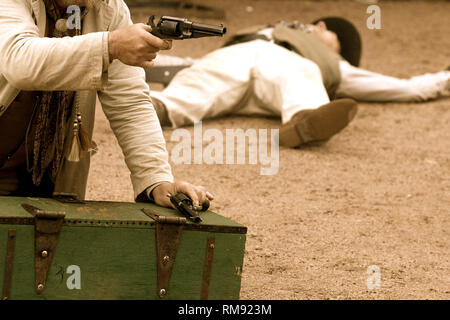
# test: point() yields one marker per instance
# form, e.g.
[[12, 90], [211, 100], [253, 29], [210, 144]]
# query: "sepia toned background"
[[376, 194]]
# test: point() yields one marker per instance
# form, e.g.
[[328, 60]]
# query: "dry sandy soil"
[[376, 194]]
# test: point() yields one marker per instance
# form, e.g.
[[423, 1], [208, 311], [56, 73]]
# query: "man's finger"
[[192, 194], [147, 64], [150, 56], [162, 44], [146, 27], [168, 44], [155, 41], [209, 195], [201, 195], [168, 203]]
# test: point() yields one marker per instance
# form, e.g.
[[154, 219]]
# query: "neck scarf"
[[53, 111]]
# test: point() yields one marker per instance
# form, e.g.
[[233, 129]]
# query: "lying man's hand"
[[198, 194], [135, 45]]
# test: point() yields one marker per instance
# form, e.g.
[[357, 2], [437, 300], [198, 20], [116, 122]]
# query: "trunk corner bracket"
[[47, 226], [168, 234]]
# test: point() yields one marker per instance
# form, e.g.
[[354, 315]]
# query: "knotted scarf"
[[53, 111]]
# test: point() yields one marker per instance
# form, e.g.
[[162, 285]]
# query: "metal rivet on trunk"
[[44, 253], [162, 292], [40, 287]]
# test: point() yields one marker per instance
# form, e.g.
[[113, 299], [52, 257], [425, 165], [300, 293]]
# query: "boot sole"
[[319, 124]]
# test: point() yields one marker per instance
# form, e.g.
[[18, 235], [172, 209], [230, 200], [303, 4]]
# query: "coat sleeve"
[[30, 62], [127, 105]]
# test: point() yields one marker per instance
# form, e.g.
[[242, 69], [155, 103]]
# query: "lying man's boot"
[[314, 125], [161, 111]]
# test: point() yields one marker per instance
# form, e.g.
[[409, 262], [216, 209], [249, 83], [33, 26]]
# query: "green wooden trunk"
[[115, 250]]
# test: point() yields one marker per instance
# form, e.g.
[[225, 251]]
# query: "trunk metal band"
[[207, 268], [9, 265]]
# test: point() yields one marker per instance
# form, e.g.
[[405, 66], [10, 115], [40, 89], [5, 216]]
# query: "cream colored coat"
[[28, 61]]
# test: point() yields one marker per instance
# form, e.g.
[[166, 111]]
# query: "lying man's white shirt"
[[364, 85]]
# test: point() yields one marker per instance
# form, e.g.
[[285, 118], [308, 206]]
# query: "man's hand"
[[198, 194], [135, 46]]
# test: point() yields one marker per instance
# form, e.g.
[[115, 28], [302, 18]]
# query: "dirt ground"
[[376, 194]]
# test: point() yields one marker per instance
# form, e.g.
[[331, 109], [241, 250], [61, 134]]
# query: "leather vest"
[[16, 142], [14, 124]]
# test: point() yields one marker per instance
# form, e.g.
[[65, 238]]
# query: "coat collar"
[[102, 18]]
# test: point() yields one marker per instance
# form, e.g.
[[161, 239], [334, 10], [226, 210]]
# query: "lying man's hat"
[[348, 36]]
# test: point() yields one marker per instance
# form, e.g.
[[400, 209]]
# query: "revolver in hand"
[[179, 28], [184, 205]]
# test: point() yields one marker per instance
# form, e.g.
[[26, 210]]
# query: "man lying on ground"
[[306, 74]]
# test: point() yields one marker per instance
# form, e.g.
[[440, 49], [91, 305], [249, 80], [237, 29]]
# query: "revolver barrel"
[[205, 30]]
